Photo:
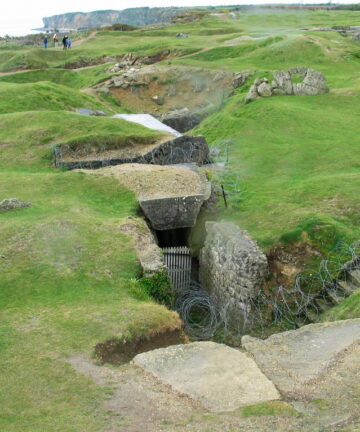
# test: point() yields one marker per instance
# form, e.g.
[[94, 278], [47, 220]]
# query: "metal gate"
[[178, 261]]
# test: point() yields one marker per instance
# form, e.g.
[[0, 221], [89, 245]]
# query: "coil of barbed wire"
[[198, 311]]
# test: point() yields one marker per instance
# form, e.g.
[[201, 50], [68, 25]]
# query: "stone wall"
[[232, 269], [311, 83]]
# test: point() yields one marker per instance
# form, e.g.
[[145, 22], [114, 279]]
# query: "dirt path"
[[141, 403], [194, 53], [80, 41], [16, 71]]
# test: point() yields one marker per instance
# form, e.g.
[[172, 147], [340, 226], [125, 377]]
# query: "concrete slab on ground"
[[220, 377], [148, 121], [293, 358]]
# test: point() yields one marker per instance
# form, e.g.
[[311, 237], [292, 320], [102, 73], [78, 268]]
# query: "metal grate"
[[178, 261]]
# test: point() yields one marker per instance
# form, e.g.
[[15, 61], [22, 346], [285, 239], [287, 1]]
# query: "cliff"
[[133, 16]]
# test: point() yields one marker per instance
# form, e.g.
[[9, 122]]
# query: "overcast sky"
[[17, 17]]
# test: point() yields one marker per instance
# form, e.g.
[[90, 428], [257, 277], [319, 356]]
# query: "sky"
[[18, 17]]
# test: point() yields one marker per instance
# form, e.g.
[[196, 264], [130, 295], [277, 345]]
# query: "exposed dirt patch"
[[154, 181], [119, 351], [287, 261], [80, 41], [176, 87], [138, 401]]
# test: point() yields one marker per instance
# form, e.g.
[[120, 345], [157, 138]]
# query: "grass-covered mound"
[[67, 273], [292, 166], [30, 147], [65, 270], [77, 79], [43, 96]]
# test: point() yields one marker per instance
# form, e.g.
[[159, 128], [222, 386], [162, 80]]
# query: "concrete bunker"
[[166, 147]]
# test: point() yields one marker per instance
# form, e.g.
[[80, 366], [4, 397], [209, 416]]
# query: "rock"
[[118, 81], [220, 76], [148, 252], [220, 377], [182, 35], [293, 358], [172, 212], [313, 83], [264, 89], [252, 93], [158, 100], [232, 269], [88, 111], [104, 90], [239, 80], [85, 111], [283, 80], [181, 120], [13, 204]]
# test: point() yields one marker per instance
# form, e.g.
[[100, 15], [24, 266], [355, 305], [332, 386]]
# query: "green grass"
[[30, 147], [43, 96], [67, 273], [273, 408], [77, 79], [347, 309], [291, 162]]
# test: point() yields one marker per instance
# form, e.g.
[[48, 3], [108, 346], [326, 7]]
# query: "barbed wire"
[[204, 315], [168, 153]]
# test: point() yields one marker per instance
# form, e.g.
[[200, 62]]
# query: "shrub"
[[159, 287]]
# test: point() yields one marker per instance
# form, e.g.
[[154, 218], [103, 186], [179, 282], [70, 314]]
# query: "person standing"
[[69, 43], [64, 42], [45, 42], [56, 40]]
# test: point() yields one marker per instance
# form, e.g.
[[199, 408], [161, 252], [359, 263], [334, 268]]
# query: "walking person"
[[56, 40], [64, 42], [45, 42], [69, 43]]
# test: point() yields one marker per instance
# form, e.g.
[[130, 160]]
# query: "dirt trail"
[[80, 41], [194, 53], [16, 71], [139, 402]]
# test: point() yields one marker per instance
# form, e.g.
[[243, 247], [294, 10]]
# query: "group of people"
[[66, 42]]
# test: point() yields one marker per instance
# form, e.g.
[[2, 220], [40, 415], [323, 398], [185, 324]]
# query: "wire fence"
[[204, 315]]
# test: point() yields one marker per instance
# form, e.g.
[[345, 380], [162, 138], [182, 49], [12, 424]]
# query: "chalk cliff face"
[[133, 16]]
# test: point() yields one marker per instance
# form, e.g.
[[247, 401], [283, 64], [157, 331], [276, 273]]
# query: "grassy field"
[[67, 273], [77, 79]]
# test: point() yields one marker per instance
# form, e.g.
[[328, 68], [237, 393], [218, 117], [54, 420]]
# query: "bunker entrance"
[[193, 303], [173, 237]]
